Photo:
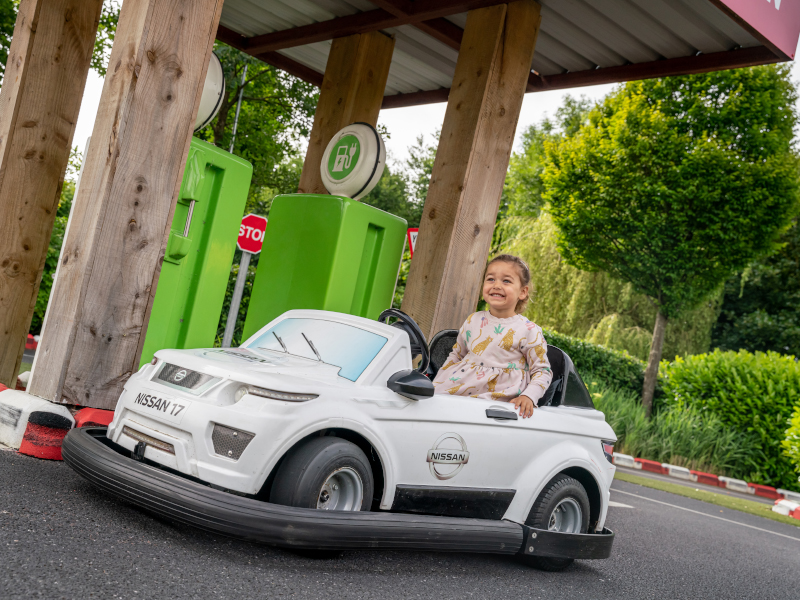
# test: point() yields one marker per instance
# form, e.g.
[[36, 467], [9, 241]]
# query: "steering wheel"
[[407, 324]]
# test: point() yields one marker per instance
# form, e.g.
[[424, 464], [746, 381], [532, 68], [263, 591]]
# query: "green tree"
[[593, 305], [674, 184], [8, 16], [277, 113], [102, 45], [523, 188], [761, 306]]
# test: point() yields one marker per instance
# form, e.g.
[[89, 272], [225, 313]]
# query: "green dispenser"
[[325, 252], [202, 240]]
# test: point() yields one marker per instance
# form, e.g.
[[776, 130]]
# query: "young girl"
[[499, 354]]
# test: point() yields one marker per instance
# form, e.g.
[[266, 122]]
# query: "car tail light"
[[608, 450], [273, 394]]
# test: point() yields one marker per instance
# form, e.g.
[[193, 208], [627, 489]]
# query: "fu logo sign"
[[448, 456]]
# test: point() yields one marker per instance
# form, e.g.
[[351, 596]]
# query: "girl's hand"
[[525, 406]]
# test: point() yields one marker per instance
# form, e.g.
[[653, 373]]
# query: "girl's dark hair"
[[524, 276]]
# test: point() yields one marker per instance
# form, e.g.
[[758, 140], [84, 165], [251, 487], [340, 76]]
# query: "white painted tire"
[[213, 90], [370, 157]]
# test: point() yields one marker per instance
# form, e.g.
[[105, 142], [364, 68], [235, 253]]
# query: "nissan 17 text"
[[318, 433]]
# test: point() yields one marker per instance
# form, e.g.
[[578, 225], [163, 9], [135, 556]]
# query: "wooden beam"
[[703, 63], [352, 90], [439, 28], [130, 183], [41, 96], [416, 98], [471, 162], [363, 22], [275, 59]]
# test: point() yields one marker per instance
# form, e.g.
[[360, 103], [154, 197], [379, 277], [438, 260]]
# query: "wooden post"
[[352, 90], [471, 162], [130, 183], [44, 79]]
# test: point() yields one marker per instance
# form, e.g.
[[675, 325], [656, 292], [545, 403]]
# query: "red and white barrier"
[[679, 472], [93, 417], [788, 501], [32, 425], [737, 485], [787, 508]]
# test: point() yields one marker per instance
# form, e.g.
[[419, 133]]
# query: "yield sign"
[[412, 239], [251, 233]]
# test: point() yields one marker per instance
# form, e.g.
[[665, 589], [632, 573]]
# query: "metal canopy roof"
[[581, 42]]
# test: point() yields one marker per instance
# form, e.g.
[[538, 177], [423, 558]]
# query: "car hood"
[[255, 368]]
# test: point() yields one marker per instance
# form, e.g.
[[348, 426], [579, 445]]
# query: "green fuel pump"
[[331, 252], [202, 240]]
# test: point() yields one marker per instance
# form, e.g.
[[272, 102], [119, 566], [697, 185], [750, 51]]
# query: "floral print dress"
[[496, 359]]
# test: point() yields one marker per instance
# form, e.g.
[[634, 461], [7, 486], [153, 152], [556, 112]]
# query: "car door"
[[458, 451]]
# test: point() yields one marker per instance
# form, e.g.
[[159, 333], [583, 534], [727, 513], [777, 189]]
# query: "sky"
[[403, 124]]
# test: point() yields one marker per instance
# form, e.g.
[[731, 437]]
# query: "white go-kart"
[[317, 433]]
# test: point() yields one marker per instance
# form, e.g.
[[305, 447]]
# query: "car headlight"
[[272, 394]]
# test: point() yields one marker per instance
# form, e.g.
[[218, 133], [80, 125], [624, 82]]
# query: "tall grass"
[[679, 436]]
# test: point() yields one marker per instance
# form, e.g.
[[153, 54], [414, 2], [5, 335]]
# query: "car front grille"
[[148, 440], [182, 377], [229, 442]]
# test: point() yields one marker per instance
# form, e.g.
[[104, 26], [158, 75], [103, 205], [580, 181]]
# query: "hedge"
[[749, 392], [791, 445], [615, 368]]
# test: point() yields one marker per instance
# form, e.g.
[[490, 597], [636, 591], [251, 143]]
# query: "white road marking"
[[618, 504], [697, 512]]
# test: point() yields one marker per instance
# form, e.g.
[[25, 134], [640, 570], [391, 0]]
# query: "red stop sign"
[[251, 233]]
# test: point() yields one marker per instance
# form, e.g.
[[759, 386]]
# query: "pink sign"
[[776, 20]]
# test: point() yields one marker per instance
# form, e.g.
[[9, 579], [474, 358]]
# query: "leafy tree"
[[277, 113], [102, 45], [593, 305], [761, 307], [674, 184], [523, 188], [8, 16]]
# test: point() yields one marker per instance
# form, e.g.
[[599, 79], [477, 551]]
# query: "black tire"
[[299, 480], [558, 489]]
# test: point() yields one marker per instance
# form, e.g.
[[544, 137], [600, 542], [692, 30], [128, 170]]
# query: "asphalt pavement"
[[61, 538]]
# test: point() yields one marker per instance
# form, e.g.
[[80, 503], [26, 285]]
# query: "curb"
[[788, 501], [32, 425]]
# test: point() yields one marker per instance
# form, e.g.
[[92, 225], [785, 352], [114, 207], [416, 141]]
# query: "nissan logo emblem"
[[445, 453], [179, 376]]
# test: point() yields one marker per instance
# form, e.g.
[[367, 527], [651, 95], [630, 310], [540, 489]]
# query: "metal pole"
[[238, 108], [236, 300]]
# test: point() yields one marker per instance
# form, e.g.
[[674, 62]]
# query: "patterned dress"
[[496, 359]]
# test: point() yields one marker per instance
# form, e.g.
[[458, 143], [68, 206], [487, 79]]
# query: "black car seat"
[[552, 395], [440, 347]]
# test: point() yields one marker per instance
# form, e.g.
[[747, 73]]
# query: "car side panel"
[[573, 451]]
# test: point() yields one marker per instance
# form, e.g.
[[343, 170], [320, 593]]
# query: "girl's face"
[[502, 288]]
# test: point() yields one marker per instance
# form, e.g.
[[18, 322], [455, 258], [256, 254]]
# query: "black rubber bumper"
[[88, 452]]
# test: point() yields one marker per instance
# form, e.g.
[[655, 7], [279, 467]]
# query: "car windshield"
[[345, 346]]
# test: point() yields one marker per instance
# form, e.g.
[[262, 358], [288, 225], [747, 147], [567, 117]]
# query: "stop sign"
[[251, 233]]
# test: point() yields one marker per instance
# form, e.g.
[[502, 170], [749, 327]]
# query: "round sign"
[[213, 91], [353, 161], [251, 233]]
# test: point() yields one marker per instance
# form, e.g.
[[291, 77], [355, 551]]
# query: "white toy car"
[[321, 410]]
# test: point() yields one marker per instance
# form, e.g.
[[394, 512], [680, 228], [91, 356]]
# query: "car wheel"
[[562, 506], [327, 473]]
